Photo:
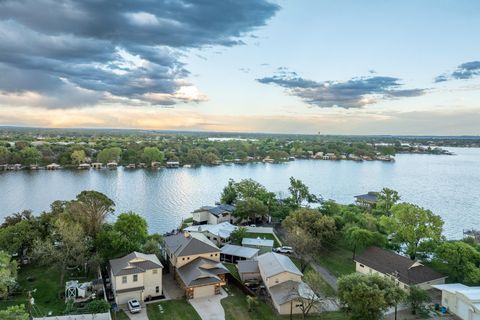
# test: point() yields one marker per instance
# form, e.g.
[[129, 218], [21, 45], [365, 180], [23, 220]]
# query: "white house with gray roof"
[[214, 215], [136, 276]]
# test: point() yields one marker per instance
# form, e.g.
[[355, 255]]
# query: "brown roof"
[[388, 262], [180, 245], [126, 265]]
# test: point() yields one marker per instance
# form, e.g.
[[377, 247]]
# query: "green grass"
[[236, 308], [233, 269], [172, 310], [337, 260], [267, 236], [325, 288], [46, 282], [120, 315], [186, 222]]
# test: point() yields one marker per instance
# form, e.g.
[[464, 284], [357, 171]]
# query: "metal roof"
[[257, 242], [239, 251], [248, 266], [272, 263], [222, 230], [291, 290]]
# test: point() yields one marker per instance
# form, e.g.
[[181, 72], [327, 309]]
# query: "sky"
[[287, 66]]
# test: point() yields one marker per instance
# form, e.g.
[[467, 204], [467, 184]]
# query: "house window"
[[183, 258], [157, 289], [188, 258], [135, 277], [211, 255], [362, 266], [216, 254], [124, 279], [155, 271]]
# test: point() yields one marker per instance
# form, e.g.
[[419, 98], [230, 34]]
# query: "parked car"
[[253, 225], [134, 306], [284, 250]]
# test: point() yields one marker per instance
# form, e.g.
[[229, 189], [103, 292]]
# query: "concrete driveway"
[[142, 315], [210, 308]]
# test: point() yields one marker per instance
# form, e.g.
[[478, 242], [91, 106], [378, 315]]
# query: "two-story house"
[[136, 276], [214, 215], [195, 263]]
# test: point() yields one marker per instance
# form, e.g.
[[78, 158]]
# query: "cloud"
[[353, 93], [467, 70], [122, 49]]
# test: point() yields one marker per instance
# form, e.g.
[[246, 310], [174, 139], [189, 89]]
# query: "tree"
[[416, 298], [386, 199], [229, 193], [19, 237], [462, 261], [152, 154], [310, 293], [90, 209], [411, 225], [359, 238], [304, 246], [98, 306], [8, 273], [210, 158], [78, 156], [17, 217], [237, 235], [367, 296], [4, 155], [152, 245], [250, 208], [109, 154], [252, 301], [30, 155], [14, 313], [299, 193]]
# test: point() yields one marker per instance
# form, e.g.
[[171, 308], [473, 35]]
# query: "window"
[[183, 259], [135, 277], [211, 255], [362, 266], [155, 271], [157, 289], [188, 258], [124, 279]]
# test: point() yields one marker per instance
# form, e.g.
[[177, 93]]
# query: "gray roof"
[[272, 263], [125, 266], [221, 209], [290, 290], [239, 251], [369, 197], [257, 242], [181, 245], [248, 266], [201, 271]]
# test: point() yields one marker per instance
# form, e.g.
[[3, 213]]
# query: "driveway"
[[210, 308], [142, 315], [326, 275]]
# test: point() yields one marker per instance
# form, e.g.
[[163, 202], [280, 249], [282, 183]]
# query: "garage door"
[[205, 291], [462, 309], [122, 298]]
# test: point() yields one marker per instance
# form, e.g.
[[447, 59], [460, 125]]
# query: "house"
[[53, 166], [264, 245], [232, 253], [112, 165], [403, 270], [248, 270], [84, 166], [461, 300], [283, 282], [97, 165], [217, 233], [214, 215], [367, 200], [173, 164], [136, 276], [195, 263]]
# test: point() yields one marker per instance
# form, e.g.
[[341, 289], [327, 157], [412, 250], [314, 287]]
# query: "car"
[[134, 306], [253, 225], [284, 249]]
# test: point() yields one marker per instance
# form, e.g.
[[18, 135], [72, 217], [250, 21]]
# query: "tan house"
[[195, 263], [214, 215], [136, 276], [404, 271], [461, 300]]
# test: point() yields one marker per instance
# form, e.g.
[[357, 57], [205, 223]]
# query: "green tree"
[[109, 154], [4, 155], [416, 298], [229, 193], [367, 296], [98, 306], [462, 261], [359, 238], [30, 156], [304, 246], [299, 193], [250, 209], [386, 199], [237, 235], [8, 273], [18, 237], [210, 158], [411, 225], [14, 313], [153, 154], [78, 156]]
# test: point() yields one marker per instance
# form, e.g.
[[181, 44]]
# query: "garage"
[[123, 297], [205, 291]]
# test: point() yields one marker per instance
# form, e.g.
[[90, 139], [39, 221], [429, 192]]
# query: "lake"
[[447, 185]]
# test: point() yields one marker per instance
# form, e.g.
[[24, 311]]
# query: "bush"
[[98, 306]]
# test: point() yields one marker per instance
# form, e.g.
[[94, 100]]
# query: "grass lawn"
[[233, 269], [172, 310], [121, 315], [236, 308], [326, 289], [46, 282], [267, 236], [337, 260]]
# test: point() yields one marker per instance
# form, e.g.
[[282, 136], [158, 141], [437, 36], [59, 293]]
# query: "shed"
[[232, 253], [248, 270]]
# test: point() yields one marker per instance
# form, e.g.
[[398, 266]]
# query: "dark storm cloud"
[[122, 48], [354, 93], [467, 70]]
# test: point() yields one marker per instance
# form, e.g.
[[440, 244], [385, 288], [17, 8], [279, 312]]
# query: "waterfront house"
[[264, 245], [53, 166], [136, 276], [97, 165], [214, 215], [155, 164], [195, 263], [232, 253], [131, 166], [172, 164], [112, 165], [368, 200], [84, 166], [404, 271], [217, 233], [461, 300]]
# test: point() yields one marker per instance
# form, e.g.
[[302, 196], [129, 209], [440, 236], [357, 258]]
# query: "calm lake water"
[[448, 185]]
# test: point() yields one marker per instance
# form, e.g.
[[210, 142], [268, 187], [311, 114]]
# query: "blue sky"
[[300, 66]]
